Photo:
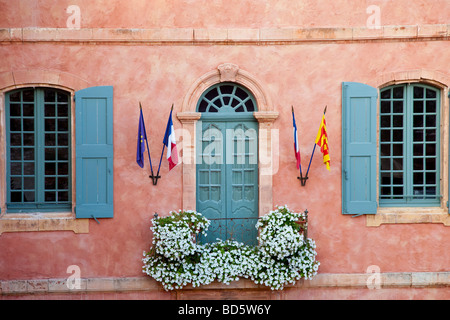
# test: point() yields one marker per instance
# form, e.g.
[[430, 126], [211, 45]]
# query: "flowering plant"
[[282, 256]]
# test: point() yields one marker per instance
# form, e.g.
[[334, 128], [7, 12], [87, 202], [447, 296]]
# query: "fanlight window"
[[227, 97]]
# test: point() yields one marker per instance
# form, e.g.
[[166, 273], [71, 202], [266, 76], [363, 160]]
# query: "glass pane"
[[49, 95], [430, 163], [28, 139], [398, 107], [28, 95], [28, 124], [50, 196], [418, 135], [385, 106], [50, 168], [28, 183], [28, 168], [430, 149], [63, 110], [50, 154], [16, 196], [418, 178], [397, 191], [385, 164], [28, 110], [49, 110], [386, 191], [15, 110], [431, 93], [418, 164], [385, 135], [63, 168], [418, 106], [15, 96], [397, 135], [16, 183], [386, 94], [16, 154], [63, 183], [431, 106], [15, 139], [418, 149], [63, 196], [215, 193], [16, 168], [28, 196], [63, 97], [15, 124], [418, 121], [50, 139], [397, 149], [430, 135], [385, 149], [418, 92], [50, 183], [397, 164], [63, 154], [430, 121], [385, 121], [386, 178], [63, 139], [28, 153], [398, 121], [63, 125], [431, 178], [397, 178], [50, 125], [397, 92]]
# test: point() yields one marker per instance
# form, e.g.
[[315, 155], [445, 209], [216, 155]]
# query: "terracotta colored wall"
[[221, 13], [308, 76]]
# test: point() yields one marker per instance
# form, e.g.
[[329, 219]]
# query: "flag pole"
[[312, 155], [301, 178], [148, 149], [160, 159]]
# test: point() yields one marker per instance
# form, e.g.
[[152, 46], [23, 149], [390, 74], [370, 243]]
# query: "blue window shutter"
[[359, 148], [94, 152]]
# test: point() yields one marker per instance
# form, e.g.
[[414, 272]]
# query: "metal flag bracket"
[[302, 178]]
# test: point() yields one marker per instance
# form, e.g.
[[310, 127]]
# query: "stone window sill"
[[25, 222], [408, 215]]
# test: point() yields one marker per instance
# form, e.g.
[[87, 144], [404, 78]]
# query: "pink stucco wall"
[[308, 76]]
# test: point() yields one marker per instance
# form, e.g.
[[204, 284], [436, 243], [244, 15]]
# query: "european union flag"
[[142, 135]]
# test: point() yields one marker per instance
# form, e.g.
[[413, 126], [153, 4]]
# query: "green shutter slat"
[[94, 152], [359, 148]]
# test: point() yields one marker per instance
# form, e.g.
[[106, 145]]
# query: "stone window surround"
[[265, 116], [36, 221]]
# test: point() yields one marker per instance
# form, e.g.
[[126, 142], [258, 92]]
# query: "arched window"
[[38, 144], [227, 162], [227, 97], [409, 142]]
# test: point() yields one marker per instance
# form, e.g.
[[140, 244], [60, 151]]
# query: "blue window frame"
[[38, 150], [409, 148]]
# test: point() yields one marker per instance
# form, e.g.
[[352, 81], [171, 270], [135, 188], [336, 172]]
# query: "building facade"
[[75, 204]]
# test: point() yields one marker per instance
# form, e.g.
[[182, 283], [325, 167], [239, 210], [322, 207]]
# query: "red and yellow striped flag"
[[322, 142]]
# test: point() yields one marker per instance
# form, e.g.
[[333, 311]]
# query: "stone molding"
[[194, 36], [321, 280]]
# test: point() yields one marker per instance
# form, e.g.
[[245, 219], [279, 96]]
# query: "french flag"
[[296, 147], [171, 143]]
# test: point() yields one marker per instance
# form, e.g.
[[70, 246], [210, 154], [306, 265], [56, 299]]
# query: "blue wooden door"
[[227, 163]]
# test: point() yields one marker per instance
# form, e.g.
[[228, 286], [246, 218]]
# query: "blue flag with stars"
[[142, 135]]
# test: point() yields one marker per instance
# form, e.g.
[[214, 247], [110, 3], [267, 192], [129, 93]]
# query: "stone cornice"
[[225, 36]]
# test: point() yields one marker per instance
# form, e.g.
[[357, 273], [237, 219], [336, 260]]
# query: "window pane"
[[398, 93], [418, 92]]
